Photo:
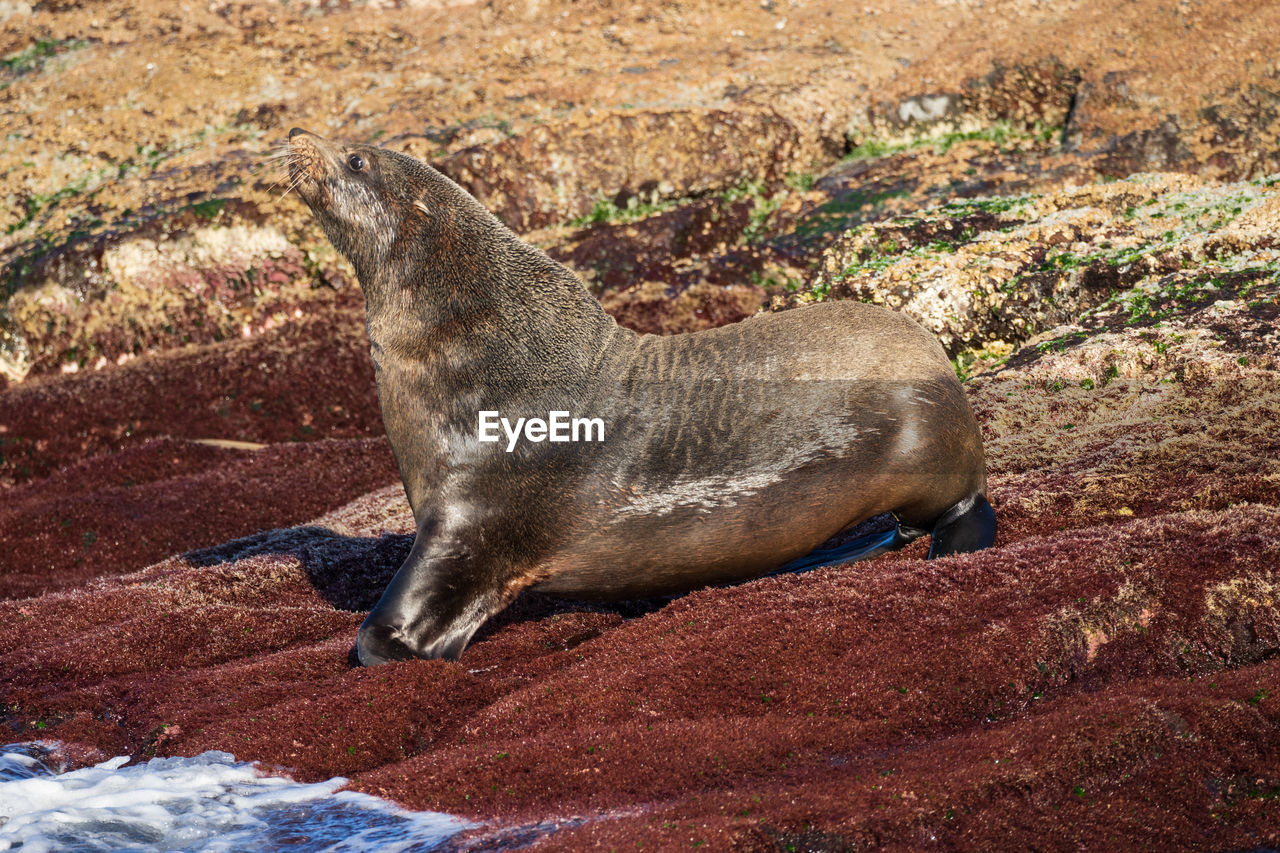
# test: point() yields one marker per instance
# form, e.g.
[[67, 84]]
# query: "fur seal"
[[727, 454]]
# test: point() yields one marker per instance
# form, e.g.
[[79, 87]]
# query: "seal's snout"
[[377, 643], [307, 161]]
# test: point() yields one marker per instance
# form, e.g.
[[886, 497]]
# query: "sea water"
[[207, 803]]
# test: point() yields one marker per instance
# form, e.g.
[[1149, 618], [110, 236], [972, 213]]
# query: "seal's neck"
[[462, 300]]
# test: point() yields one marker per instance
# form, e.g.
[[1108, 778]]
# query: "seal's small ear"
[[422, 205]]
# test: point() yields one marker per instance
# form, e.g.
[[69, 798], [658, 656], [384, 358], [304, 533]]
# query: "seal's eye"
[[356, 162]]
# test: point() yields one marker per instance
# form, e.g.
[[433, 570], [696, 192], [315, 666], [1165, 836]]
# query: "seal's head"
[[364, 197]]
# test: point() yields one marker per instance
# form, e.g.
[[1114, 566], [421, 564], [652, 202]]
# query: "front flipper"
[[437, 600], [381, 640]]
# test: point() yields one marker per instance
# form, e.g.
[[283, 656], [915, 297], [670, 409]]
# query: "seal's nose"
[[295, 132], [376, 644]]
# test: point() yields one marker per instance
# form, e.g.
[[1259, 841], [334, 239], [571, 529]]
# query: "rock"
[[979, 271], [652, 307], [555, 172], [204, 275], [306, 380], [1026, 97], [614, 256], [120, 512]]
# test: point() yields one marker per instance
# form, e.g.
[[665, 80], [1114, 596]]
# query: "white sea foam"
[[210, 803]]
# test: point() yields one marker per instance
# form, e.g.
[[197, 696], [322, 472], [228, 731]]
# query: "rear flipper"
[[970, 525], [862, 548]]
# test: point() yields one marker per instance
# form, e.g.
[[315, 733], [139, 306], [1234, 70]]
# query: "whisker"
[[293, 184], [286, 158]]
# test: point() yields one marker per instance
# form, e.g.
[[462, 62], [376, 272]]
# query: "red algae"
[[118, 513], [307, 380]]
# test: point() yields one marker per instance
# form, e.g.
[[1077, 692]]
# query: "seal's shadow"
[[350, 573]]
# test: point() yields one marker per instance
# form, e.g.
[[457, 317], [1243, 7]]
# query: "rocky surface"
[[135, 221], [979, 272], [197, 504]]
